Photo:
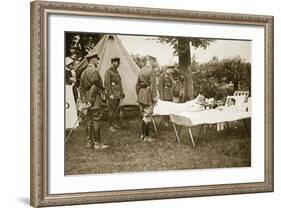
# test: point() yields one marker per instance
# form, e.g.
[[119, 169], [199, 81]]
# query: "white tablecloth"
[[209, 116], [166, 107]]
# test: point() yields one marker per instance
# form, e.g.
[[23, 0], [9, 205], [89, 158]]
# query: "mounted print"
[[140, 103]]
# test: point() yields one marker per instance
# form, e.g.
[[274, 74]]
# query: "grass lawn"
[[225, 149]]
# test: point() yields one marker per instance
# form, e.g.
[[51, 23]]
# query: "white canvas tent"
[[111, 46]]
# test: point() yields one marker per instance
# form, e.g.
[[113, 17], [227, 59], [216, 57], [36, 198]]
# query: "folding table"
[[206, 117]]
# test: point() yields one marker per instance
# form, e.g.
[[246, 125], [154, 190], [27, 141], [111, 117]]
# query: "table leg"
[[200, 130], [154, 125], [162, 117], [176, 132], [191, 136]]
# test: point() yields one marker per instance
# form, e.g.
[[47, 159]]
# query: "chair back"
[[241, 93]]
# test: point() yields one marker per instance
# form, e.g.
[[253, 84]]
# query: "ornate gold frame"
[[39, 103]]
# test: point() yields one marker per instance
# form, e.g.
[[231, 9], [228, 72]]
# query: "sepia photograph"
[[137, 103], [151, 104]]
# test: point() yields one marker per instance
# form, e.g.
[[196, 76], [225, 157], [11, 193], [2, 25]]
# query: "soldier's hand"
[[72, 79], [155, 99], [88, 105], [111, 97]]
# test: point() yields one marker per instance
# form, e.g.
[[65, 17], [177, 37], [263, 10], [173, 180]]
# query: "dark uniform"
[[165, 90], [147, 96], [178, 86], [92, 91], [165, 86], [113, 87]]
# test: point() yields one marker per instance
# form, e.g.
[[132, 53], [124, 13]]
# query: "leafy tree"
[[213, 78], [238, 72], [139, 60], [182, 48], [78, 44]]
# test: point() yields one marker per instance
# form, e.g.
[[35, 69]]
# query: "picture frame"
[[39, 191]]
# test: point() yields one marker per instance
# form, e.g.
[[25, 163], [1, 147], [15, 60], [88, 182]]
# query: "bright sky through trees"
[[164, 53]]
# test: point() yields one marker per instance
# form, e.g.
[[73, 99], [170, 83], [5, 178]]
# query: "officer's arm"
[[94, 78], [160, 87], [73, 74], [82, 95], [122, 92], [93, 94], [138, 86], [107, 83], [153, 85]]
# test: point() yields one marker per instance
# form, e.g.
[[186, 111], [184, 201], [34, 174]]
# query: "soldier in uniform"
[[165, 84], [113, 86], [146, 96], [93, 97], [178, 86]]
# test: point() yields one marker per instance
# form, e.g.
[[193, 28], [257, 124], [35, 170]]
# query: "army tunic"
[[113, 87], [178, 80], [92, 91], [146, 92], [112, 83], [146, 86], [165, 86]]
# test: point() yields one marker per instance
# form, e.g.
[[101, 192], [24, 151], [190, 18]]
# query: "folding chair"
[[240, 98], [241, 93]]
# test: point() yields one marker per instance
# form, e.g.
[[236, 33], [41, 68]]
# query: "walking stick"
[[80, 117], [68, 136]]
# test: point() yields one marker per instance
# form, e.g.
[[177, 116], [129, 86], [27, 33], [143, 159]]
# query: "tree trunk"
[[235, 85], [185, 67]]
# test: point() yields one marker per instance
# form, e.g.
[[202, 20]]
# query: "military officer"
[[146, 96], [178, 86], [165, 84], [93, 97], [114, 90]]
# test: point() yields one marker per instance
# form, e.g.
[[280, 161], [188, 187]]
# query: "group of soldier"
[[97, 95]]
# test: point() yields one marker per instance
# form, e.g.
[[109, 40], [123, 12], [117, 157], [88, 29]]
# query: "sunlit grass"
[[229, 148]]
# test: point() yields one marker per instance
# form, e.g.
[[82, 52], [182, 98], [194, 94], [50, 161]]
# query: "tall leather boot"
[[143, 130], [97, 135], [147, 137], [90, 136], [98, 144], [111, 120], [147, 129]]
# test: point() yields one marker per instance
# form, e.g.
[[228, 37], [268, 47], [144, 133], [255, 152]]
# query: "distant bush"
[[220, 78]]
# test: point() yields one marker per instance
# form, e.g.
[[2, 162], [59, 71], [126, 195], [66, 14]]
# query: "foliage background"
[[216, 78], [220, 78]]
